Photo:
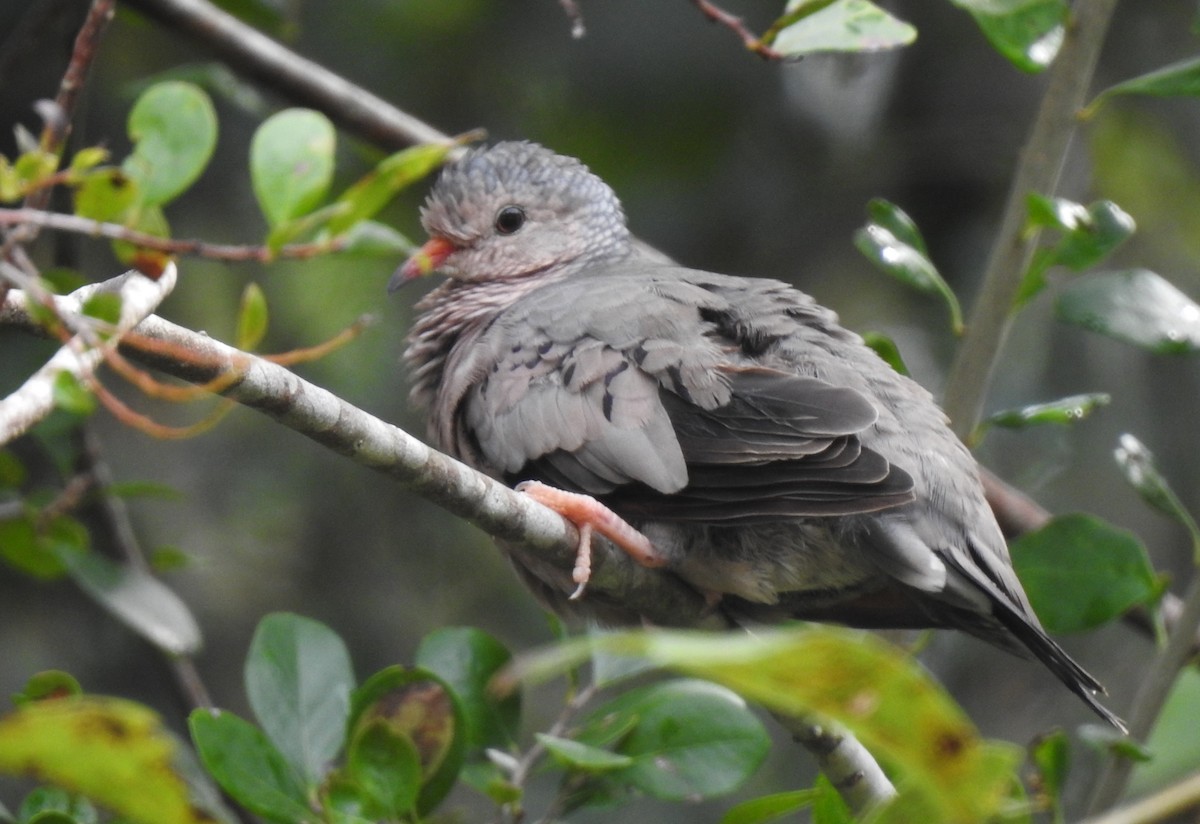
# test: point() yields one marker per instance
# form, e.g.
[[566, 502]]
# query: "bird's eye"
[[510, 219]]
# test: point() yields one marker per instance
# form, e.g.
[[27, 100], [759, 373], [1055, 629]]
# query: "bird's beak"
[[423, 261]]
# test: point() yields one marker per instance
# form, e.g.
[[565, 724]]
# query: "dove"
[[726, 429]]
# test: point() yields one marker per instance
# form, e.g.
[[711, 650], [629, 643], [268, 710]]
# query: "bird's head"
[[514, 210]]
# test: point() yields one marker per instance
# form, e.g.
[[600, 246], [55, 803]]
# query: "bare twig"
[[1038, 171], [34, 399], [734, 23], [87, 43], [169, 246], [1168, 802], [246, 49]]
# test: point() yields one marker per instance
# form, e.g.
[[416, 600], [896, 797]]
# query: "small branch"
[[1151, 696], [850, 768], [248, 50], [1173, 800], [34, 399], [1038, 171], [114, 231], [114, 516], [735, 25], [87, 43]]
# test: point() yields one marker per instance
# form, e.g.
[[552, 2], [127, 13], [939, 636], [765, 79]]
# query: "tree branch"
[[170, 246], [80, 355], [1038, 171], [275, 66]]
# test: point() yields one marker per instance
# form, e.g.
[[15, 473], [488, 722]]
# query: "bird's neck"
[[456, 312]]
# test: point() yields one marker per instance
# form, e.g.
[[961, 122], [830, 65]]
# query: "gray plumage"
[[765, 450]]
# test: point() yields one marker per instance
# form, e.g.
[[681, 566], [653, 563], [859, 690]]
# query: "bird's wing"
[[622, 388]]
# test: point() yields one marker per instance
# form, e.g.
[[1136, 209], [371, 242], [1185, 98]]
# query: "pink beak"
[[423, 261]]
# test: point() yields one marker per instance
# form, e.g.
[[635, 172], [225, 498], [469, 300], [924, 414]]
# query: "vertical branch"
[[1038, 171]]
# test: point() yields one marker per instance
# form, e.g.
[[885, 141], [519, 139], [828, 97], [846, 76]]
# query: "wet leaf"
[[1064, 411], [841, 26], [892, 242], [1137, 463], [1028, 33], [1089, 234], [1135, 306]]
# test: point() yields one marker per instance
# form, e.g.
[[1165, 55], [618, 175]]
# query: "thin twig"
[[1038, 171], [735, 24], [169, 246], [34, 399], [249, 50], [114, 515], [1170, 801]]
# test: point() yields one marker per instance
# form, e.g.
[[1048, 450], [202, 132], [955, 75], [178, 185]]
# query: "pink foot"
[[590, 515]]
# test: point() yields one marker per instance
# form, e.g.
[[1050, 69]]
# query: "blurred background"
[[722, 160]]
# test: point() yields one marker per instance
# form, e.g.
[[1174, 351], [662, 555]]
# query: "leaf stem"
[[1038, 171]]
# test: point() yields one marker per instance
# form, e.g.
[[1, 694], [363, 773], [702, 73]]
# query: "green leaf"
[[298, 680], [1089, 235], [103, 306], [692, 739], [582, 757], [466, 659], [248, 767], [394, 173], [252, 318], [107, 195], [1063, 411], [1173, 741], [1051, 755], [1180, 79], [877, 691], [386, 766], [138, 599], [49, 684], [368, 237], [174, 130], [24, 549], [769, 807], [1135, 306], [291, 163], [1081, 572], [419, 705], [71, 395], [840, 26], [1028, 33], [887, 349], [892, 242], [54, 805], [12, 471], [1137, 463], [88, 158], [829, 807], [113, 751]]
